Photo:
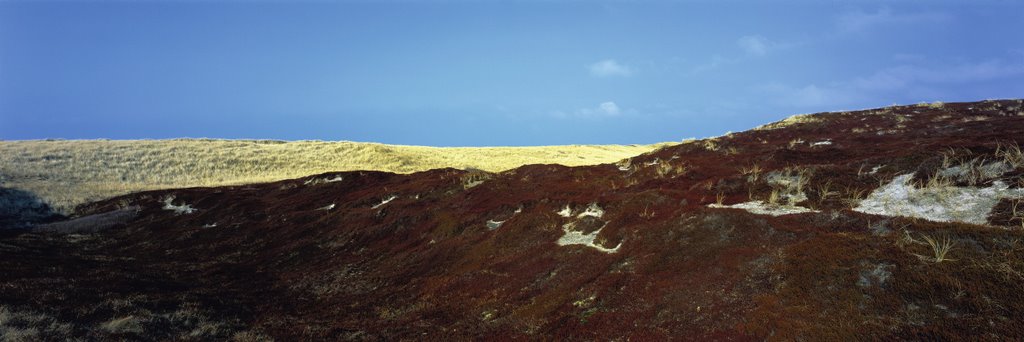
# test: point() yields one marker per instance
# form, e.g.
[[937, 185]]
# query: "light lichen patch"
[[575, 237], [937, 203], [762, 208], [177, 209]]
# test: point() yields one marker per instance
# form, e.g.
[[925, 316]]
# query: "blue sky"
[[484, 73]]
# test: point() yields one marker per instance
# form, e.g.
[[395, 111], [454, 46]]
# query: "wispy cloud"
[[753, 46], [610, 68], [716, 62], [904, 79], [908, 57], [811, 95], [860, 21], [902, 76], [756, 45]]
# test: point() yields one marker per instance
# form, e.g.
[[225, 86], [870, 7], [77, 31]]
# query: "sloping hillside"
[[895, 223], [68, 173]]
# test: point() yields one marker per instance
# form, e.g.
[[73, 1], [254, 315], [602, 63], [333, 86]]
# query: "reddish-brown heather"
[[426, 266]]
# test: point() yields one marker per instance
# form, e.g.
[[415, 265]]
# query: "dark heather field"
[[900, 223]]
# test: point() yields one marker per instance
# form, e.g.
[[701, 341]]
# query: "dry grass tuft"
[[852, 196], [753, 173], [825, 191], [647, 213], [1011, 155], [123, 325], [940, 247], [20, 325], [792, 120], [1017, 212]]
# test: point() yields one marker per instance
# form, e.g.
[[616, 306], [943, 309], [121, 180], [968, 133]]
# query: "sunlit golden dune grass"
[[65, 173]]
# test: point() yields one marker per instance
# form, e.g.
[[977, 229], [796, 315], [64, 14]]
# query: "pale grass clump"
[[123, 325], [250, 336], [800, 176], [753, 172], [1017, 212], [792, 120], [853, 196], [773, 198], [825, 191], [665, 168], [68, 173], [940, 247], [647, 213], [711, 144], [1011, 155], [23, 325]]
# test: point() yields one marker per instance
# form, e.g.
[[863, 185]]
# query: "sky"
[[486, 73]]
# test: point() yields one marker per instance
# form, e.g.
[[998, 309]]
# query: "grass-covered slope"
[[900, 223], [68, 173]]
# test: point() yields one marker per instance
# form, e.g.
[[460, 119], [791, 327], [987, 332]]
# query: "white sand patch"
[[625, 164], [565, 212], [471, 184], [177, 209], [943, 204], [593, 211], [495, 224], [315, 181], [326, 207], [573, 237], [389, 199], [762, 208], [492, 224], [822, 143]]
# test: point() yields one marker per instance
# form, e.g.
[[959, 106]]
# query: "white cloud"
[[756, 45], [860, 20], [609, 68], [606, 109], [609, 108]]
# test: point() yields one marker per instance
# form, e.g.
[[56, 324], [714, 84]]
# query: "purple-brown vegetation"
[[262, 261]]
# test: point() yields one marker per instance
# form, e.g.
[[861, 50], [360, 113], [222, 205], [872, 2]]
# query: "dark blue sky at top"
[[465, 73]]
